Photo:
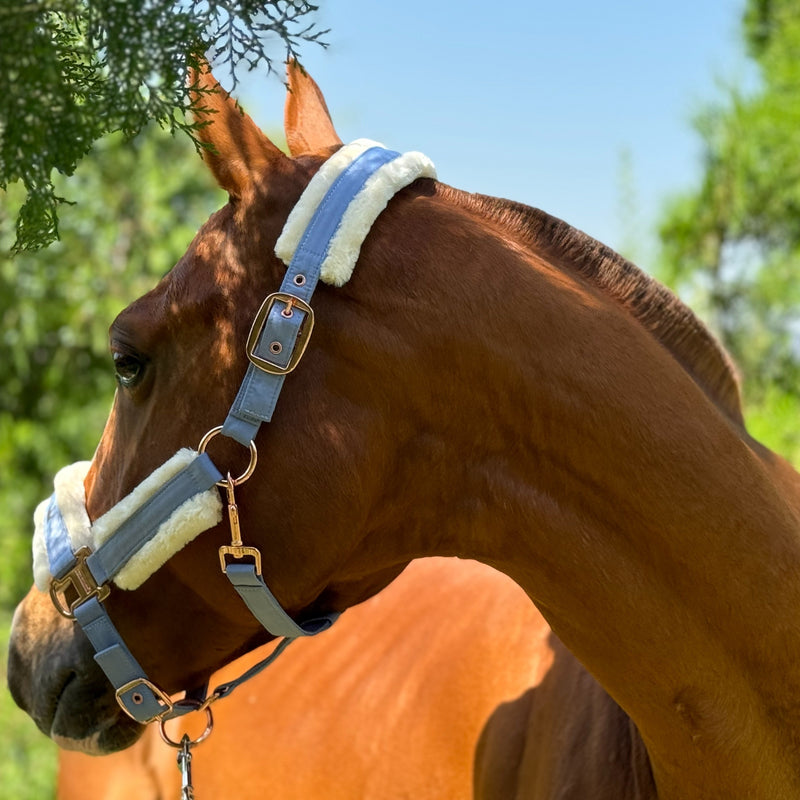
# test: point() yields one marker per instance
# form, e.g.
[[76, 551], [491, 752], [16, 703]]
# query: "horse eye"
[[129, 369]]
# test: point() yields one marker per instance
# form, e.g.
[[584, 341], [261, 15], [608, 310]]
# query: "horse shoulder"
[[564, 737]]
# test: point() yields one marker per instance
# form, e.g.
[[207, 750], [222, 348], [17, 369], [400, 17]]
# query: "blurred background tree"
[[76, 70], [141, 203], [731, 244]]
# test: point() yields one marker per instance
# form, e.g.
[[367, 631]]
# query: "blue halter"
[[276, 343]]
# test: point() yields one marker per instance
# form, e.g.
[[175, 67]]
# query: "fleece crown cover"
[[380, 187]]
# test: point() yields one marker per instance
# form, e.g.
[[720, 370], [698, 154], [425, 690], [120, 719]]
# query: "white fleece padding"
[[199, 513], [360, 215], [71, 500], [300, 215]]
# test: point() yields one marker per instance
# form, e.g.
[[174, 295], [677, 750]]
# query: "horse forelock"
[[656, 308]]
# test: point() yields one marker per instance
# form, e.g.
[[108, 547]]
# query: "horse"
[[489, 383], [408, 710]]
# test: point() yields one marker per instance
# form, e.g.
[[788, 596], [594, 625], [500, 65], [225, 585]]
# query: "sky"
[[550, 104]]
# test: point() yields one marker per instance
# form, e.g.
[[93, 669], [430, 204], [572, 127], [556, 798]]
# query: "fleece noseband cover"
[[196, 514]]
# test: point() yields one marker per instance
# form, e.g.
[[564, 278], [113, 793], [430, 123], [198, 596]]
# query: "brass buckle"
[[82, 583], [138, 699], [303, 335]]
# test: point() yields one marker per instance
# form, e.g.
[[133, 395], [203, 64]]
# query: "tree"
[[732, 244], [75, 70], [140, 205]]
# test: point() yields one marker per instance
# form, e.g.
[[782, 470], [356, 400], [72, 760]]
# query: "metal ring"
[[201, 738], [201, 448]]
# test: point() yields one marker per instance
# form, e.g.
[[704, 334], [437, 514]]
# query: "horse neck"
[[543, 430]]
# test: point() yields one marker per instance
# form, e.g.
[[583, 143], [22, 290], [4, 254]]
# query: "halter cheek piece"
[[321, 239]]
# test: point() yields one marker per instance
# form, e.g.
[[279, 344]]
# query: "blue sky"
[[529, 100]]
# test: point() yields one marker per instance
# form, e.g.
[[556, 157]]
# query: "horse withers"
[[489, 383]]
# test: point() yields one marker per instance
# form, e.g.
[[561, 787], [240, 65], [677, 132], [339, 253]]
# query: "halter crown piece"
[[78, 559]]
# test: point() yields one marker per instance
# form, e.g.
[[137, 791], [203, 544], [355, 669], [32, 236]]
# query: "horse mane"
[[658, 310]]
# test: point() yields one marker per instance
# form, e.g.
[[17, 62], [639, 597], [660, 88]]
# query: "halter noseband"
[[321, 239]]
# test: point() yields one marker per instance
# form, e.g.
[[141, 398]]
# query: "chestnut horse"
[[409, 679], [492, 384]]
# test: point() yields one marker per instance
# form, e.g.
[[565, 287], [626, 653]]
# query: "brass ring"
[[201, 738], [201, 448]]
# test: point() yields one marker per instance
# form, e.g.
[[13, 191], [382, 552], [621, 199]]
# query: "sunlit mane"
[[654, 306]]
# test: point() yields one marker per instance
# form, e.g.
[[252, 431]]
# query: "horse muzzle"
[[53, 677]]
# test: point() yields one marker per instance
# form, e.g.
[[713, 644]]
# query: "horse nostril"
[[68, 678]]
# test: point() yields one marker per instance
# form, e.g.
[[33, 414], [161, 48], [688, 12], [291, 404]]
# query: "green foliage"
[[76, 70], [731, 245], [141, 203]]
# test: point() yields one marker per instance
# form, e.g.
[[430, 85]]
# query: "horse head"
[[179, 358]]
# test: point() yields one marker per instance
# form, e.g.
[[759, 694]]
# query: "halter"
[[321, 239]]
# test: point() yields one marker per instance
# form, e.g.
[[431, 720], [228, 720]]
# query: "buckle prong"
[[291, 302], [161, 696]]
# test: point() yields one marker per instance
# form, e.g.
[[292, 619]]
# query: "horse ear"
[[309, 129], [237, 151]]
